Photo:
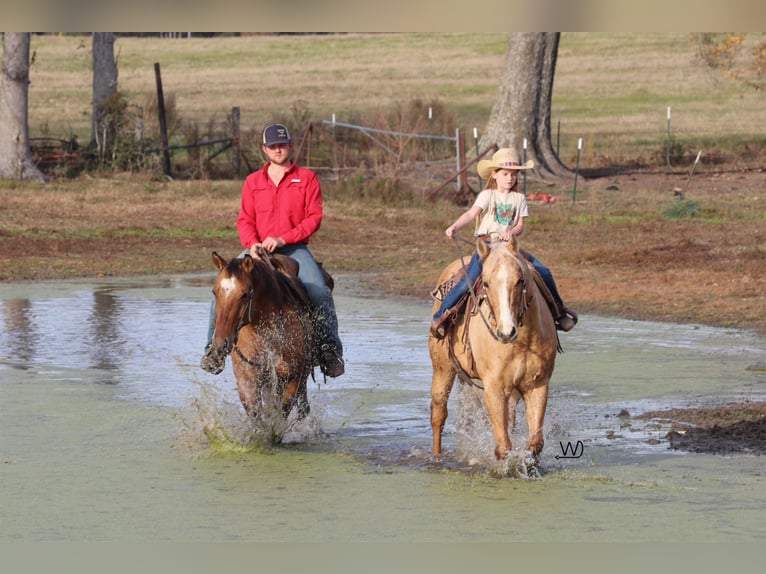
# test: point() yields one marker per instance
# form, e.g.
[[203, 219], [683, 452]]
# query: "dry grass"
[[612, 252], [612, 90]]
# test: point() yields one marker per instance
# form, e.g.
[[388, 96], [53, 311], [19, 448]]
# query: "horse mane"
[[285, 288]]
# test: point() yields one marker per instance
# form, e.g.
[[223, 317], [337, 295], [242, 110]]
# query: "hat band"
[[510, 164]]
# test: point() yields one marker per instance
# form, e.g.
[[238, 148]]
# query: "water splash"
[[475, 445], [214, 425]]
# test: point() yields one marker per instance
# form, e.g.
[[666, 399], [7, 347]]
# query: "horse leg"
[[535, 401], [497, 408], [296, 395], [250, 397], [513, 400], [249, 387], [441, 385]]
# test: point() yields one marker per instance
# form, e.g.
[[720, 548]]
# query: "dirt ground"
[[659, 271]]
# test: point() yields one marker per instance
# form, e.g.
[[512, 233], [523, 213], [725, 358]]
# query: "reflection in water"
[[19, 339]]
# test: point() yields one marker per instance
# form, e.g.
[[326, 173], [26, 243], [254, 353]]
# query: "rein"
[[474, 298]]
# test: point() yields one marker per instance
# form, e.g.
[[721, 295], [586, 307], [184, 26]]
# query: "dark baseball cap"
[[276, 134]]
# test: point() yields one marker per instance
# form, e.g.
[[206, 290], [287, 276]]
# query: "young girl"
[[502, 212]]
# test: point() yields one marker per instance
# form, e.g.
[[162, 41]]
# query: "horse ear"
[[218, 261], [247, 264], [513, 245], [482, 247]]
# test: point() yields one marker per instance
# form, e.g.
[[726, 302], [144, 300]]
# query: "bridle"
[[477, 302], [247, 316]]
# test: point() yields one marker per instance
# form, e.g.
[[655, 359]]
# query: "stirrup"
[[438, 329], [567, 321], [440, 326]]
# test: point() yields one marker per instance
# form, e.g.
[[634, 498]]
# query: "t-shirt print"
[[505, 213]]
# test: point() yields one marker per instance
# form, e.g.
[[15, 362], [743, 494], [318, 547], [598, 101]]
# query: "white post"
[[524, 173], [459, 180]]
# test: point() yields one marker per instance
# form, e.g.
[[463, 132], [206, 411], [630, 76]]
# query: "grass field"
[[612, 90]]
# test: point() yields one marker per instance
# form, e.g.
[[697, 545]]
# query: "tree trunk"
[[522, 109], [104, 87], [15, 155]]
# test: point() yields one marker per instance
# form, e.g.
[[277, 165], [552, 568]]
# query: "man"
[[280, 209]]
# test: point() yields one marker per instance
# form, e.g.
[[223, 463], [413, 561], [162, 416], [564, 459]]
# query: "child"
[[502, 212]]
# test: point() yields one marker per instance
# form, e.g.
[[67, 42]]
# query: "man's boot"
[[331, 361], [329, 345]]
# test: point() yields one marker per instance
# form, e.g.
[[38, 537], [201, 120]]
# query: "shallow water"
[[102, 411]]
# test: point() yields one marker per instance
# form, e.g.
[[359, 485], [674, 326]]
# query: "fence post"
[[163, 121], [459, 165], [667, 142], [235, 140]]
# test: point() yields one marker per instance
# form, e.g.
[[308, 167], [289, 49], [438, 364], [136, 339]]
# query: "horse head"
[[505, 284], [233, 292]]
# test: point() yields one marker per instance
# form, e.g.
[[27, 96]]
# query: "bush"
[[681, 209]]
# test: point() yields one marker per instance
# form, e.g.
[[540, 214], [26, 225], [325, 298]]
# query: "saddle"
[[453, 314], [289, 266]]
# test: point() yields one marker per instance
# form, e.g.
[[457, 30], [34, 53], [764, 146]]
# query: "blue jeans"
[[473, 271], [547, 276], [324, 315]]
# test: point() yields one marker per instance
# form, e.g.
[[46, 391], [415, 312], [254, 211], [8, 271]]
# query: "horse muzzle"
[[508, 337]]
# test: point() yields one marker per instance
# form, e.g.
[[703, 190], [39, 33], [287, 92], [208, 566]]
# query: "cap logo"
[[276, 134]]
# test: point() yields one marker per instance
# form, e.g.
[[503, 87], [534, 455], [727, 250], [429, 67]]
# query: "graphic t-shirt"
[[499, 211]]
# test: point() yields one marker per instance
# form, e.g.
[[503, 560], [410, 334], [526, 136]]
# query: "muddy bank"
[[726, 429]]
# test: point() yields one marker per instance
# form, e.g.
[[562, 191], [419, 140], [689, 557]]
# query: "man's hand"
[[271, 244]]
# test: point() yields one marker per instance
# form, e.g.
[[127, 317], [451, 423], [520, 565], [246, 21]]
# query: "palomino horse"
[[263, 319], [508, 346]]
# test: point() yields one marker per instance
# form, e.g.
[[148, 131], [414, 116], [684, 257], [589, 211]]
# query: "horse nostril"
[[508, 337]]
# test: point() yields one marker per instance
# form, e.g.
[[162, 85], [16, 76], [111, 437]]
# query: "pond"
[[105, 419]]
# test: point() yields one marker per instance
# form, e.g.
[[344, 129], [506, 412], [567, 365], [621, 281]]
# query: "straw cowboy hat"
[[504, 158]]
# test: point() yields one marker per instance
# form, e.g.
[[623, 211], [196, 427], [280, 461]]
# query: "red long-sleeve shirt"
[[292, 210]]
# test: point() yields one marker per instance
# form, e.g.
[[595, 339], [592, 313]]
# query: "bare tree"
[[522, 109], [15, 155], [104, 88]]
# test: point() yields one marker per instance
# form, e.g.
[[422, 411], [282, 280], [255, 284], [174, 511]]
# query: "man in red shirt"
[[280, 209]]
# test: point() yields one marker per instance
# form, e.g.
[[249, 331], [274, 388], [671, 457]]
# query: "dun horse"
[[263, 319], [507, 345]]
